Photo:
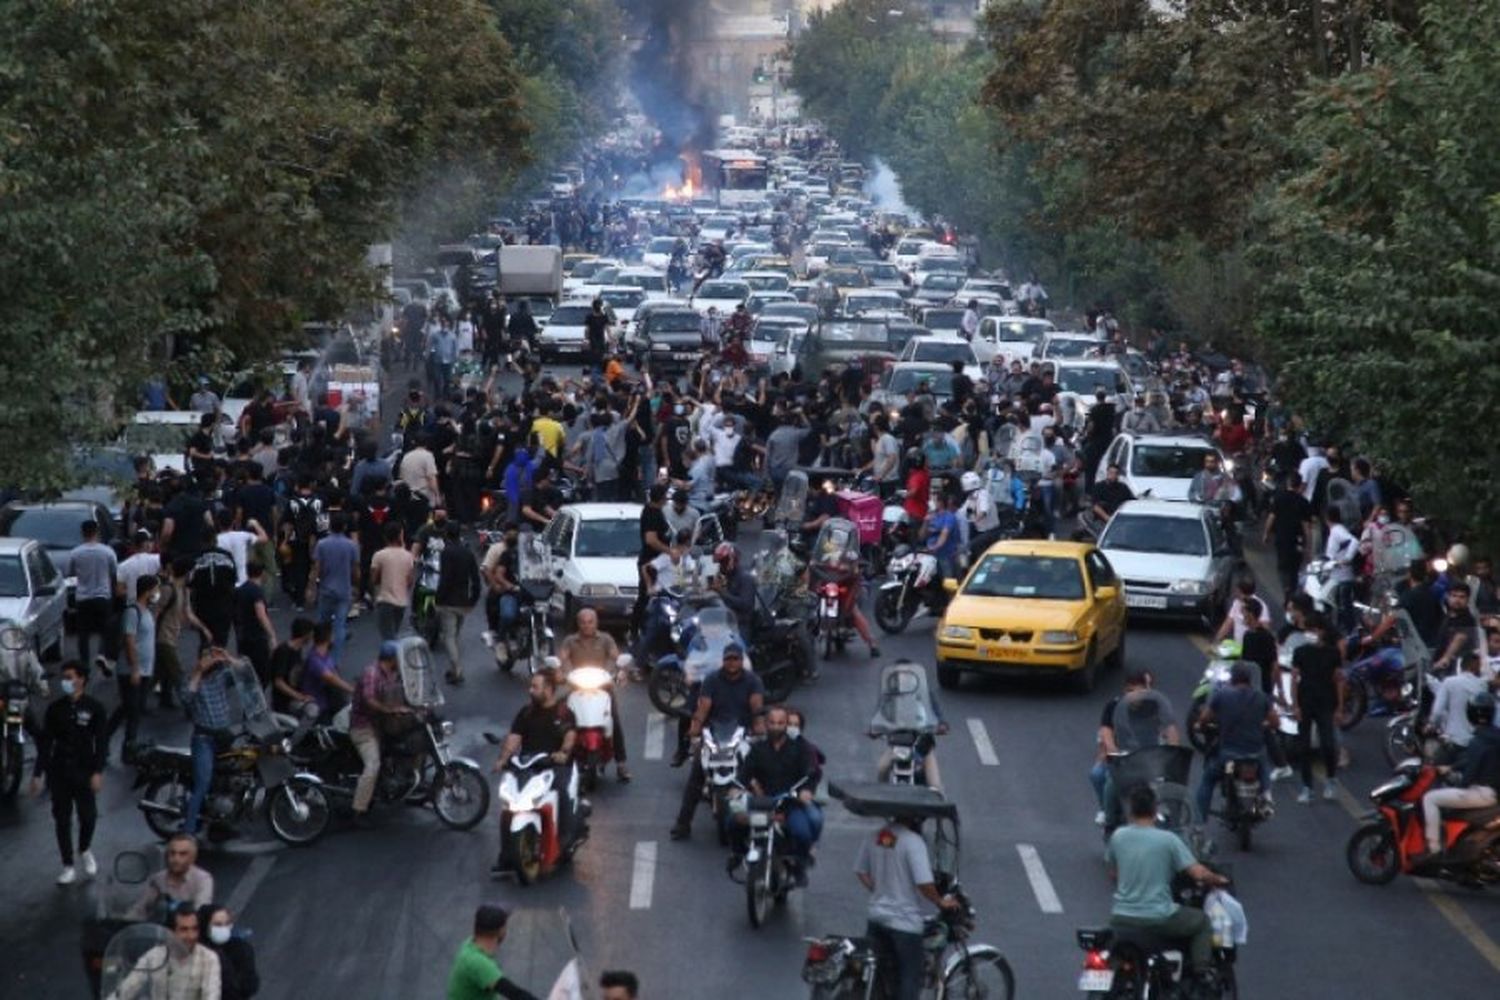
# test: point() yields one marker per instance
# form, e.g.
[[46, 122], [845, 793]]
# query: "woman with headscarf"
[[238, 978]]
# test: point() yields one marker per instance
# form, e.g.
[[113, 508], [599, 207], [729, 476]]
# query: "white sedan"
[[590, 550], [943, 349]]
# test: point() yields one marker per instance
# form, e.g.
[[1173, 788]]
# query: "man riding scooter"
[[1477, 779], [589, 647], [544, 725]]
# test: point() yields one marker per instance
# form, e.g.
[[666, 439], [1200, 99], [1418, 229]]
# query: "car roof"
[[1084, 363], [922, 366], [603, 511], [10, 546], [1174, 441], [1039, 547], [1164, 508], [187, 418]]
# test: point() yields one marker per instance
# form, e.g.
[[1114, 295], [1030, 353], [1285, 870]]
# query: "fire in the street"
[[683, 192]]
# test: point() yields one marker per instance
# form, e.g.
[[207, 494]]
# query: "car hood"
[[1157, 565], [621, 572], [14, 608], [1161, 488], [1012, 612]]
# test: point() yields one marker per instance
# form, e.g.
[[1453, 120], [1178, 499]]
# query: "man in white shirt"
[[724, 435], [237, 542], [969, 325], [143, 559], [1309, 468], [1450, 715], [1341, 549]]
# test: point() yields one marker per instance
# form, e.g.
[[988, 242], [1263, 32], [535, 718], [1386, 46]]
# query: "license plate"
[[684, 356], [830, 608], [995, 652], [1096, 980], [1145, 601]]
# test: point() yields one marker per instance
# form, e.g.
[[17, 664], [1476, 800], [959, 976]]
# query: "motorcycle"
[[724, 748], [589, 699], [532, 843], [255, 771], [1138, 964], [1216, 675], [1244, 806], [1377, 682], [1394, 834], [532, 640], [12, 736], [840, 966], [834, 570], [770, 872], [1143, 725], [905, 716], [416, 765], [914, 582]]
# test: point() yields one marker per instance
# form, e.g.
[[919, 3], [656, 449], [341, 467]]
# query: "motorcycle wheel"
[[890, 615], [1401, 740], [758, 897], [461, 797], [166, 792], [780, 678], [1372, 856], [526, 856], [668, 691], [988, 977], [298, 813], [1196, 736], [10, 771], [1356, 704]]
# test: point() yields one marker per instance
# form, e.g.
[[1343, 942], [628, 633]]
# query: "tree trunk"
[[1319, 38]]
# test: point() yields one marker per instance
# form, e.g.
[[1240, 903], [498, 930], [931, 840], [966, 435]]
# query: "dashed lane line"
[[1036, 874], [259, 868], [643, 875], [982, 744], [656, 735]]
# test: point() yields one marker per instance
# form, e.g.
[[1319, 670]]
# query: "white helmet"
[[970, 482], [1458, 555]]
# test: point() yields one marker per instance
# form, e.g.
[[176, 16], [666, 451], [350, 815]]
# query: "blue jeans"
[[1213, 771], [335, 608], [1049, 498], [804, 825], [1100, 778], [204, 750]]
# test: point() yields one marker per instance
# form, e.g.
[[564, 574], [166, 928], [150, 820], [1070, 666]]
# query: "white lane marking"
[[656, 735], [982, 743], [259, 868], [643, 875], [1041, 885]]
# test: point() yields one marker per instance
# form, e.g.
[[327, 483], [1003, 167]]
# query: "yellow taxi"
[[1034, 608]]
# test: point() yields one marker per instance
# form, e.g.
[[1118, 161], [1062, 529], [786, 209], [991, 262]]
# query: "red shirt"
[[1235, 438], [918, 488]]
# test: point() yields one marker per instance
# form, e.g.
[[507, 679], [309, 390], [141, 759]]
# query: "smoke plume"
[[661, 74]]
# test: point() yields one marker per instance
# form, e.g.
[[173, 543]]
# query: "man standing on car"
[[894, 867], [596, 328], [71, 753]]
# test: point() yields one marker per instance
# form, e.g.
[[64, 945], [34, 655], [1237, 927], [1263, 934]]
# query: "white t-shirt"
[[465, 336], [724, 439], [1341, 549], [1241, 624], [237, 544], [132, 569], [1308, 469], [980, 510], [668, 572]]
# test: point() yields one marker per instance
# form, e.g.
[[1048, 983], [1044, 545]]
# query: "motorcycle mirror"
[[552, 663], [624, 661]]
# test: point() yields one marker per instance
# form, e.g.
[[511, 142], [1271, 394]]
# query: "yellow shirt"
[[550, 432]]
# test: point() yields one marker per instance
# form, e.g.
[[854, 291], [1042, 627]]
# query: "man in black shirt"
[[962, 387], [71, 753], [1458, 633], [211, 586], [286, 669], [540, 504], [1290, 524], [729, 696], [186, 522], [775, 766], [1317, 702], [656, 538], [545, 725], [1110, 493], [595, 328], [1099, 432], [253, 630]]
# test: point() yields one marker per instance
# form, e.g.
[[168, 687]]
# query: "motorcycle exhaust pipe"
[[160, 808]]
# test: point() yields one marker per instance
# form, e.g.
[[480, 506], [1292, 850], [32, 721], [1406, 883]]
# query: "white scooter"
[[531, 803], [590, 699]]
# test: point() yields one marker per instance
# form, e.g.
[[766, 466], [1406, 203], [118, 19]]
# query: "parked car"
[[32, 595], [563, 333], [1160, 465], [57, 525], [1174, 558], [942, 350], [1011, 337]]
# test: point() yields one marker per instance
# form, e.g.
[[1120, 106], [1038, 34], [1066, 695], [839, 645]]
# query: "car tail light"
[[1095, 959]]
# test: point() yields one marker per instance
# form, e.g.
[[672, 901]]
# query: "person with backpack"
[[458, 591], [211, 586], [305, 520]]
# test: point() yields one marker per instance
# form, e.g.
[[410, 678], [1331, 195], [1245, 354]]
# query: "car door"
[[48, 596], [1110, 614], [565, 568], [1222, 558]]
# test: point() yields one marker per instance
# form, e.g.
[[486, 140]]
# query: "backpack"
[[307, 515]]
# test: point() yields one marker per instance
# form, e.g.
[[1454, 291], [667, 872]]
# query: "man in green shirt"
[[475, 975], [1143, 860]]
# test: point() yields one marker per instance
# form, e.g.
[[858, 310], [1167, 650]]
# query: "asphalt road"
[[380, 913]]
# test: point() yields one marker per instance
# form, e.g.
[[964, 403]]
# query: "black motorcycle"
[[12, 736], [914, 582]]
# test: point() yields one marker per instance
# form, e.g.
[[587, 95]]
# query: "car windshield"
[[12, 578], [156, 439], [1167, 462], [1069, 347], [941, 282], [943, 319], [608, 539], [944, 351], [1017, 333], [623, 300], [768, 282], [855, 336], [650, 282], [904, 380], [801, 310], [723, 290], [1085, 381], [1177, 536], [53, 527], [1044, 578], [568, 316], [909, 248], [675, 322], [856, 304], [946, 265], [587, 268], [662, 244]]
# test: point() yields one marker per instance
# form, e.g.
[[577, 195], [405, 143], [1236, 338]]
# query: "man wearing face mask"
[[71, 753], [238, 979]]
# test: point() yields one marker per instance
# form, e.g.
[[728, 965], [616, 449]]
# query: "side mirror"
[[950, 586], [624, 661], [1108, 593], [552, 663]]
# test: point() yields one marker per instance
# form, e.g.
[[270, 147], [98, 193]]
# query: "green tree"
[[1385, 242]]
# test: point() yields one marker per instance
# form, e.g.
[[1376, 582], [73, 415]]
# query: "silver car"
[[32, 595]]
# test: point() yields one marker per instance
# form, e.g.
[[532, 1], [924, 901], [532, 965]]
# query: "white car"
[[1174, 559], [818, 254], [621, 302], [1078, 383], [907, 252], [563, 332], [658, 252], [908, 376], [717, 227], [583, 272], [601, 278], [162, 435], [943, 349], [860, 301], [721, 294], [764, 281], [33, 596], [1071, 344], [591, 550], [1011, 337], [1160, 465], [649, 280]]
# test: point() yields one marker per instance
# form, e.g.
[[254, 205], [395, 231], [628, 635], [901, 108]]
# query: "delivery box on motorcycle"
[[864, 510]]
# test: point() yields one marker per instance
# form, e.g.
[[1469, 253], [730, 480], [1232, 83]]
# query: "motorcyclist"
[[942, 538], [379, 705], [1143, 860], [1212, 485], [1478, 779], [980, 513], [1137, 680], [730, 695], [821, 507], [775, 766], [1110, 493], [735, 586], [589, 647], [545, 725], [1243, 713], [896, 869], [842, 567], [918, 485]]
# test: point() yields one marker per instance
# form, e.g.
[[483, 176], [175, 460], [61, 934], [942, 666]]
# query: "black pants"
[[692, 794], [1328, 744], [1288, 563], [899, 954], [257, 649], [128, 711], [69, 794], [93, 618], [294, 575]]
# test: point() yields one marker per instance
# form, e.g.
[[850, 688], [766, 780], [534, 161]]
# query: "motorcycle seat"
[[1474, 817], [1147, 941], [537, 591]]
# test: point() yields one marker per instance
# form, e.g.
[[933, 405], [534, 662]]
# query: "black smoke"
[[661, 74]]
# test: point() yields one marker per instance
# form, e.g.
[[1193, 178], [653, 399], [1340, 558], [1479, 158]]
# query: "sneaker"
[[874, 652], [1331, 789], [68, 876], [1304, 797], [90, 866], [678, 832], [1281, 773], [1099, 818], [101, 662], [679, 758]]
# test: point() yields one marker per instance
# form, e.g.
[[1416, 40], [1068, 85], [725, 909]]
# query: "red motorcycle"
[[1394, 835]]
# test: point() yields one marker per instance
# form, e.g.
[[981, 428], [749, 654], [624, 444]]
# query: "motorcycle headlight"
[[1229, 466], [598, 590], [447, 728], [1059, 636], [1194, 587], [958, 632]]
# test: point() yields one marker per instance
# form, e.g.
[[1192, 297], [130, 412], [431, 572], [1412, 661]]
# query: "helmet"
[[915, 459], [1229, 649], [1458, 555], [1481, 710], [970, 482], [724, 553]]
